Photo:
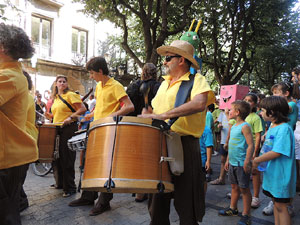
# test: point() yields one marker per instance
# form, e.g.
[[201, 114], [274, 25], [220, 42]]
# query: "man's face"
[[96, 75], [171, 62]]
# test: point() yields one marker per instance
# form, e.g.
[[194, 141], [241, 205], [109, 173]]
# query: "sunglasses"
[[170, 57]]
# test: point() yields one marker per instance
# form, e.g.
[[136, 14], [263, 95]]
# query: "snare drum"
[[77, 143], [132, 157], [46, 141]]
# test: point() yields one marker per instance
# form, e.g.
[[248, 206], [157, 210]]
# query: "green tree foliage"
[[236, 32], [146, 24], [281, 56], [238, 37]]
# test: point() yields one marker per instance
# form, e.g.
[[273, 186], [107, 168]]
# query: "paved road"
[[47, 206]]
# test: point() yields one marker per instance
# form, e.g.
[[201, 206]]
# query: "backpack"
[[137, 98]]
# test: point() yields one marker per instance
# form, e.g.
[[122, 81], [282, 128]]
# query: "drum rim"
[[126, 179], [122, 123]]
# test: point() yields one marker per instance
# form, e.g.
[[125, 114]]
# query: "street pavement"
[[48, 207]]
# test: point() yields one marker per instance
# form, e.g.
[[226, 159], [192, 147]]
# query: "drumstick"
[[41, 114], [144, 88]]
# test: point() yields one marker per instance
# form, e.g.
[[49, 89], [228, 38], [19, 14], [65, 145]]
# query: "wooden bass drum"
[[129, 153], [46, 142]]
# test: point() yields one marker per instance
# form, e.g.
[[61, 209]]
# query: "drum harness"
[[182, 95]]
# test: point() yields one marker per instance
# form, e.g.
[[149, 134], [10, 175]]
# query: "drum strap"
[[182, 95], [69, 106]]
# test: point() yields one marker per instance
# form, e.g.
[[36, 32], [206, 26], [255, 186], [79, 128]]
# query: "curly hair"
[[15, 42], [149, 72]]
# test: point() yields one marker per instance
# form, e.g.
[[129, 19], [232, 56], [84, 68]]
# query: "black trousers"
[[91, 196], [189, 197], [64, 171], [23, 197], [10, 188]]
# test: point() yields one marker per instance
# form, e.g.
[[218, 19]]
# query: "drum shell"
[[46, 142], [77, 142], [136, 164]]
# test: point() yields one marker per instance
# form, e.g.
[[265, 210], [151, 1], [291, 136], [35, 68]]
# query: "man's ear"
[[182, 61]]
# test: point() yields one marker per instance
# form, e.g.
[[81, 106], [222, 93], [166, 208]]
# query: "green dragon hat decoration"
[[192, 36]]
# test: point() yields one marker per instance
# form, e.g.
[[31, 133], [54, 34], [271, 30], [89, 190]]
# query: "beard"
[[168, 69]]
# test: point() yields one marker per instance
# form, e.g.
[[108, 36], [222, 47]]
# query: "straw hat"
[[182, 48]]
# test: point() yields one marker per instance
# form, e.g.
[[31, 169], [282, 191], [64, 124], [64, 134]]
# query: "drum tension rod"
[[166, 159]]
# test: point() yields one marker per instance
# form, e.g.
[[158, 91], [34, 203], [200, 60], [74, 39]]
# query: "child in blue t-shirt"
[[279, 180], [285, 90], [206, 147], [240, 151]]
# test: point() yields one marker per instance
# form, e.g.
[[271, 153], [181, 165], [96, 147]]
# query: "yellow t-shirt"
[[17, 147], [30, 123], [60, 110], [165, 99], [108, 98]]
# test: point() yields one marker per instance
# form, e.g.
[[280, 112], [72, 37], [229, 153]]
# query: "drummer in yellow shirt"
[[111, 100], [66, 108], [17, 147]]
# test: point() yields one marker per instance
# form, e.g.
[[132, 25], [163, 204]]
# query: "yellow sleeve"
[[73, 97], [201, 86], [119, 91]]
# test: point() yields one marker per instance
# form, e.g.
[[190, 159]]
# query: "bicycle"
[[41, 169]]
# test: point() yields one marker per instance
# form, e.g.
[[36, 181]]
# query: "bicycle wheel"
[[41, 169]]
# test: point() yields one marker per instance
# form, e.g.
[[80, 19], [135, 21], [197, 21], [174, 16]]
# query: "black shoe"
[[54, 186], [228, 212], [80, 202], [99, 209], [245, 220], [68, 193]]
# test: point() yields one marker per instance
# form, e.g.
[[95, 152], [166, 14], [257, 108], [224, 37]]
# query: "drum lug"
[[117, 118], [109, 184], [160, 187], [166, 159]]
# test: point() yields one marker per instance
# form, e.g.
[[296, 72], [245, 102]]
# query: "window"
[[41, 36], [79, 44]]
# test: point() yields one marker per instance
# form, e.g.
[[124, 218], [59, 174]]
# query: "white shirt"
[[225, 127], [91, 104]]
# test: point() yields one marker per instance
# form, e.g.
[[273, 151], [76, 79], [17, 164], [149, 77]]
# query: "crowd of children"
[[244, 129]]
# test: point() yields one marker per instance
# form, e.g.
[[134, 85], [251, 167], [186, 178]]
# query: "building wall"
[[63, 15]]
